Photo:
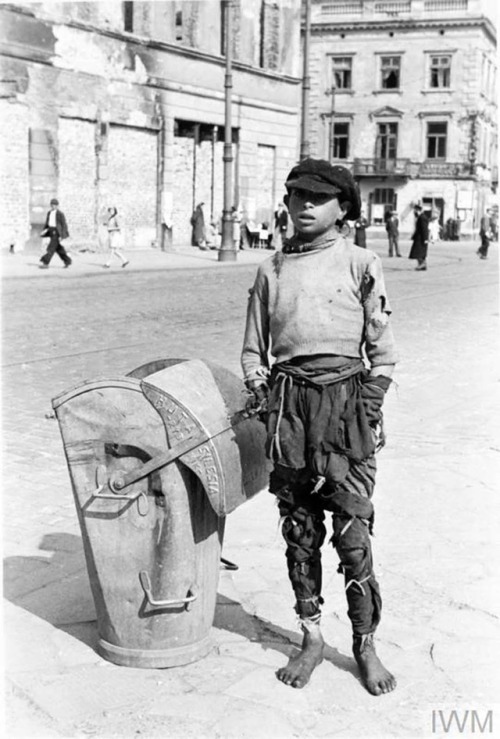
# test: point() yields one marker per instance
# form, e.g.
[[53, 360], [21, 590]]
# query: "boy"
[[316, 306]]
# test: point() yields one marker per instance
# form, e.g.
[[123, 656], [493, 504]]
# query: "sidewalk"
[[26, 264]]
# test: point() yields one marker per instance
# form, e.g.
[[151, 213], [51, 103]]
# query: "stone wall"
[[130, 184], [77, 192], [14, 180]]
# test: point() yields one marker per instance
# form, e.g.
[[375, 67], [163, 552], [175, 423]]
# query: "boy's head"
[[320, 196]]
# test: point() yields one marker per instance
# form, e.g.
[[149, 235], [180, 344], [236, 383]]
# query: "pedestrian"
[[55, 229], [236, 219], [213, 236], [264, 235], [198, 237], [318, 307], [246, 239], [434, 228], [392, 228], [420, 239], [494, 224], [115, 238], [280, 226], [485, 234], [360, 226]]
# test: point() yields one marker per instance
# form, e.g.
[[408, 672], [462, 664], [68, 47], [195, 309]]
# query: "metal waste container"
[[157, 459]]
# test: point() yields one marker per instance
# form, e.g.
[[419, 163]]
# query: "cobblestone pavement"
[[436, 532]]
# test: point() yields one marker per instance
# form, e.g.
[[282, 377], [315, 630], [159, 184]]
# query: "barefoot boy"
[[320, 309]]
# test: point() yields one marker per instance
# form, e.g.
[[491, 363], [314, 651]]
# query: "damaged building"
[[122, 104]]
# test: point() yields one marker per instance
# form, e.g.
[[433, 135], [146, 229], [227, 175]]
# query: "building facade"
[[122, 104], [404, 92]]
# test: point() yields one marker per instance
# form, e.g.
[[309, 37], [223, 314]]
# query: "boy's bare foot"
[[300, 668], [376, 678]]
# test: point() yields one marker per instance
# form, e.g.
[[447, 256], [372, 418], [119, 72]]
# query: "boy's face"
[[313, 213]]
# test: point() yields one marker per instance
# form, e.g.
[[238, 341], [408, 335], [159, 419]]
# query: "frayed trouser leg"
[[304, 533], [352, 541]]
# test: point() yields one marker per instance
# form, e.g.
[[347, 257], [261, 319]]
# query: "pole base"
[[227, 255]]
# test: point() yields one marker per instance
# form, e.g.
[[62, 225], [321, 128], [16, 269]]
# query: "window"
[[128, 16], [436, 140], [381, 200], [235, 10], [340, 141], [440, 71], [387, 141], [178, 25], [390, 68], [342, 72], [269, 56], [384, 196]]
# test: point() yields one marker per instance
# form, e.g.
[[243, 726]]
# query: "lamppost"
[[306, 86], [227, 251]]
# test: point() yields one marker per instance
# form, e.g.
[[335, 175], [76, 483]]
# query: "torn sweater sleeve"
[[255, 357], [379, 341]]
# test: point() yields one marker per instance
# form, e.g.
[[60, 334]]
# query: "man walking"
[[56, 229], [392, 228], [485, 234]]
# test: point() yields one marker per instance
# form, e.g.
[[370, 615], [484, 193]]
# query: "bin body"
[[158, 540]]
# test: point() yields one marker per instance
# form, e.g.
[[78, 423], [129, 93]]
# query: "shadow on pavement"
[[56, 589]]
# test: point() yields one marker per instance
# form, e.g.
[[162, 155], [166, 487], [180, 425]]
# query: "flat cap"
[[318, 175]]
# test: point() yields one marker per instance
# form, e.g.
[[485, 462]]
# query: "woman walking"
[[115, 240], [420, 239]]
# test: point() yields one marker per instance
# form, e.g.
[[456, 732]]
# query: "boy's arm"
[[254, 357], [379, 341], [384, 370]]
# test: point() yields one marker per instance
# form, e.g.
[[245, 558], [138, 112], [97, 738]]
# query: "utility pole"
[[332, 123], [227, 251], [306, 86]]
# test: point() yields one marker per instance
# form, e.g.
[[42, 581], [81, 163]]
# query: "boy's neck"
[[301, 242]]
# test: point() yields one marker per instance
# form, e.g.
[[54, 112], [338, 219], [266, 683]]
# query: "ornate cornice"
[[386, 112], [360, 26]]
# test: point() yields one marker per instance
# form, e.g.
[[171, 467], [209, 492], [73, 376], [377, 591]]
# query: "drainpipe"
[[212, 183], [160, 169]]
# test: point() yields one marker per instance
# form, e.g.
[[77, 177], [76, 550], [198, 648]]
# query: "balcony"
[[382, 168], [378, 9], [440, 6]]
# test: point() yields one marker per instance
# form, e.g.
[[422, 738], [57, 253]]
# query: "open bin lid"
[[201, 407]]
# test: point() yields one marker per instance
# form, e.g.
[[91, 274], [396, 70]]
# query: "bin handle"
[[114, 496], [146, 586]]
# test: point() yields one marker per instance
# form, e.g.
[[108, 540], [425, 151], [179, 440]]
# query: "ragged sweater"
[[325, 300]]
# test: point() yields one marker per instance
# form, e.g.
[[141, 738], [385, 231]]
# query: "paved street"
[[437, 513]]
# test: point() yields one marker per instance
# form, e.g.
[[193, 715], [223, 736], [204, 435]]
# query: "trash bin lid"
[[228, 452]]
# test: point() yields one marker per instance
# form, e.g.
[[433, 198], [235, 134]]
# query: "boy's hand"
[[373, 391], [258, 395]]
